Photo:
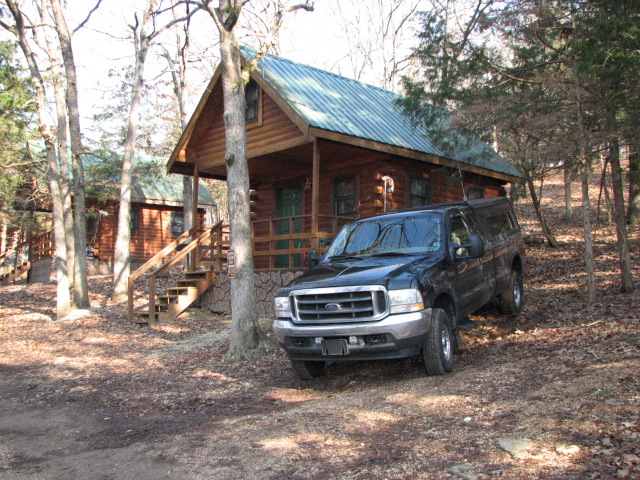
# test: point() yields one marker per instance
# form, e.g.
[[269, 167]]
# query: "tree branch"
[[82, 24]]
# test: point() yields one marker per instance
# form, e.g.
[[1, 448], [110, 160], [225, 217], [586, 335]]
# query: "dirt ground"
[[94, 397]]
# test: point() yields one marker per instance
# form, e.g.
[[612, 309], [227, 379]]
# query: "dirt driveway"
[[94, 397]]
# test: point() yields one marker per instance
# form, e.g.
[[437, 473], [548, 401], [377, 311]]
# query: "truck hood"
[[392, 272]]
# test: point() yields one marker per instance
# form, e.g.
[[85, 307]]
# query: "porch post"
[[194, 215], [315, 193]]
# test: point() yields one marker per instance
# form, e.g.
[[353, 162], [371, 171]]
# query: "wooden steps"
[[177, 299], [14, 274]]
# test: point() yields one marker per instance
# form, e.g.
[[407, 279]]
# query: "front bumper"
[[396, 336]]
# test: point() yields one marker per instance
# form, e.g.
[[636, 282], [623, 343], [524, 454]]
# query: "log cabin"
[[156, 217], [324, 149]]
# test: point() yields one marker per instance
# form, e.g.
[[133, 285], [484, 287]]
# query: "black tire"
[[512, 299], [437, 350], [307, 369]]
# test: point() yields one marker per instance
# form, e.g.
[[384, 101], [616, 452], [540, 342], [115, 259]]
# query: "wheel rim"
[[517, 294], [446, 343]]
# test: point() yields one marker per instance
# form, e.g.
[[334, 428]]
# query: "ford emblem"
[[332, 306]]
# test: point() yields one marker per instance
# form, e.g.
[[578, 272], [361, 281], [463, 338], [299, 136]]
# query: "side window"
[[177, 223], [133, 219], [252, 100], [344, 192], [500, 224], [459, 230], [475, 193], [419, 191]]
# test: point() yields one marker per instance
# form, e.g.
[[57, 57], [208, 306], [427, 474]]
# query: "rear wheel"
[[511, 300], [437, 350], [307, 369]]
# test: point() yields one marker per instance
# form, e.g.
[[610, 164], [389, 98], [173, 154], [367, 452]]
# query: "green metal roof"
[[150, 182], [332, 102]]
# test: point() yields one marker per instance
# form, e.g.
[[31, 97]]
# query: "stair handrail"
[[149, 264], [17, 248], [169, 263]]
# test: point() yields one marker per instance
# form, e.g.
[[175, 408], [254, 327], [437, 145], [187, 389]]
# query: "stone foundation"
[[218, 298], [44, 270]]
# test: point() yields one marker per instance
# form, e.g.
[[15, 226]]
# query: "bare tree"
[[144, 31], [245, 332], [19, 30], [80, 285], [377, 38]]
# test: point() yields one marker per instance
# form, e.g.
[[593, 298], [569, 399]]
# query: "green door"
[[289, 202]]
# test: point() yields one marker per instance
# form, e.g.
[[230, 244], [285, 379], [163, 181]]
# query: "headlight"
[[403, 301], [282, 307]]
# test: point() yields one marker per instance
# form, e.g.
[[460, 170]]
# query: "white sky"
[[328, 38]]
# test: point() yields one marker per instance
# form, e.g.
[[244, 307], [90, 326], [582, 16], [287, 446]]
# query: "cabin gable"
[[273, 132]]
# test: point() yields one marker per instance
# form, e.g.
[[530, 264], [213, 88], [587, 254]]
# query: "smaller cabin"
[[157, 217]]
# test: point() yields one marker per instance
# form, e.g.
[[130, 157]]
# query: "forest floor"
[[95, 397]]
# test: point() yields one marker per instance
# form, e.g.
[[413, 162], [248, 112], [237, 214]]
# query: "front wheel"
[[511, 300], [307, 369], [437, 350]]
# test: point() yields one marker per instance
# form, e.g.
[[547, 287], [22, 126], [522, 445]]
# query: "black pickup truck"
[[401, 284]]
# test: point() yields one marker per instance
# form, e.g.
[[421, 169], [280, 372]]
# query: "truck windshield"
[[418, 234]]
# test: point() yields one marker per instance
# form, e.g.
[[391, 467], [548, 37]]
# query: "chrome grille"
[[339, 305]]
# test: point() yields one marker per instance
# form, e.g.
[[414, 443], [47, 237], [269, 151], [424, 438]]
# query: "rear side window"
[[500, 224]]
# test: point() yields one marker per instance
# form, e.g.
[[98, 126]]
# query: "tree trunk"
[[63, 300], [568, 202], [245, 332], [63, 154], [634, 188], [122, 256], [3, 237], [588, 237], [619, 216], [80, 285], [551, 239]]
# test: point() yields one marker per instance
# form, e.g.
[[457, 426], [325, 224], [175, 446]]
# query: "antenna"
[[461, 177]]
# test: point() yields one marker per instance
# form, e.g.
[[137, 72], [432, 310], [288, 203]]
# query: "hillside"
[[96, 397]]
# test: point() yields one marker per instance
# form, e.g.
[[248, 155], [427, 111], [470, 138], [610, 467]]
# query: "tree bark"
[[63, 155], [568, 201], [122, 256], [551, 239], [634, 188], [63, 300], [245, 332], [619, 216], [80, 285], [588, 237]]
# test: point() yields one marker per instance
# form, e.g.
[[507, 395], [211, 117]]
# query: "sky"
[[339, 35]]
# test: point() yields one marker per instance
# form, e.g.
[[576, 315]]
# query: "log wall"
[[152, 234]]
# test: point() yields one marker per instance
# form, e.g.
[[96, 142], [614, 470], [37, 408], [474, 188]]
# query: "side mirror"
[[474, 246], [313, 259]]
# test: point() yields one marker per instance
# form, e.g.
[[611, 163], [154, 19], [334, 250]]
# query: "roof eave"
[[188, 131], [408, 153]]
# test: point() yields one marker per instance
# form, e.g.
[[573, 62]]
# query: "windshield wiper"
[[394, 254], [345, 257]]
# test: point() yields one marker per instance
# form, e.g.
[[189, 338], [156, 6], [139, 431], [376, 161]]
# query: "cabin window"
[[345, 195], [420, 191], [177, 223], [252, 99], [133, 219], [475, 193]]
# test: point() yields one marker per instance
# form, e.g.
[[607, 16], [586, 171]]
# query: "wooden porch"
[[18, 261]]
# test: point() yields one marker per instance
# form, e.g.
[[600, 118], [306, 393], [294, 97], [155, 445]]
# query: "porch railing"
[[26, 252], [213, 241], [283, 242]]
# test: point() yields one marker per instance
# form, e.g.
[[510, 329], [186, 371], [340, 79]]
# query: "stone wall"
[[44, 270], [218, 297]]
